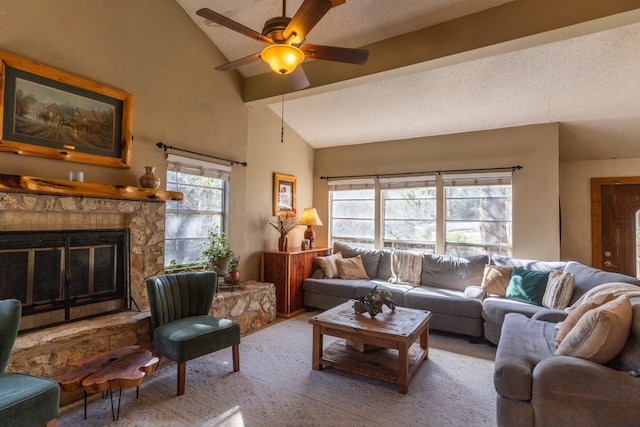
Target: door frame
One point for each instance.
(596, 212)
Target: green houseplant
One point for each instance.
(218, 251)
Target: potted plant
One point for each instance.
(218, 251)
(234, 274)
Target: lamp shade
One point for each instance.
(310, 217)
(282, 58)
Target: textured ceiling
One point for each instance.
(590, 84)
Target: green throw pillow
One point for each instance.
(527, 286)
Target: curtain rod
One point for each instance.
(166, 147)
(439, 172)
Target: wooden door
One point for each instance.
(615, 203)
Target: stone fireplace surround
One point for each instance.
(49, 352)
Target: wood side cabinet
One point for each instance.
(286, 270)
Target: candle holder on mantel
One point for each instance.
(150, 179)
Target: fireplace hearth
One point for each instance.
(65, 275)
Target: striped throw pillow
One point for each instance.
(559, 290)
(328, 265)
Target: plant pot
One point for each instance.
(221, 266)
(234, 276)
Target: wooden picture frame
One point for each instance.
(57, 115)
(284, 194)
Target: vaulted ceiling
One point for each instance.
(447, 66)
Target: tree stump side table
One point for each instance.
(124, 367)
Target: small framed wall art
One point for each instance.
(284, 194)
(57, 115)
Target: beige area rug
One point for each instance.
(277, 387)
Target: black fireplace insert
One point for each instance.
(67, 275)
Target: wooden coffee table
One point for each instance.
(124, 367)
(402, 335)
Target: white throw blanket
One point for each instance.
(406, 267)
(615, 288)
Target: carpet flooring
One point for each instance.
(277, 387)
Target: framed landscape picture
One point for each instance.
(284, 194)
(53, 114)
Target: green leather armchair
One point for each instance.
(182, 327)
(25, 400)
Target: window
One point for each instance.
(352, 210)
(409, 213)
(462, 214)
(478, 214)
(205, 187)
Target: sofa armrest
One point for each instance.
(550, 315)
(573, 391)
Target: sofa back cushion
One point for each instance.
(453, 272)
(528, 264)
(370, 257)
(587, 277)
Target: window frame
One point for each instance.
(195, 167)
(440, 181)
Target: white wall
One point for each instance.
(536, 227)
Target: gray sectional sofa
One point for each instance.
(534, 385)
(449, 287)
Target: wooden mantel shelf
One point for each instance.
(34, 184)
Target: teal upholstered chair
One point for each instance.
(182, 326)
(25, 400)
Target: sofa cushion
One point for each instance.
(527, 286)
(528, 264)
(496, 279)
(588, 277)
(559, 290)
(351, 268)
(600, 333)
(523, 344)
(443, 301)
(335, 287)
(452, 272)
(384, 266)
(494, 309)
(328, 264)
(575, 315)
(370, 257)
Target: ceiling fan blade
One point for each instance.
(298, 79)
(333, 53)
(239, 62)
(232, 25)
(307, 16)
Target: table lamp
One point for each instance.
(310, 218)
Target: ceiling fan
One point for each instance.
(285, 40)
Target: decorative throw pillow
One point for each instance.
(559, 290)
(351, 268)
(574, 315)
(496, 279)
(527, 286)
(601, 333)
(328, 265)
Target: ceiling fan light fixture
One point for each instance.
(282, 58)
